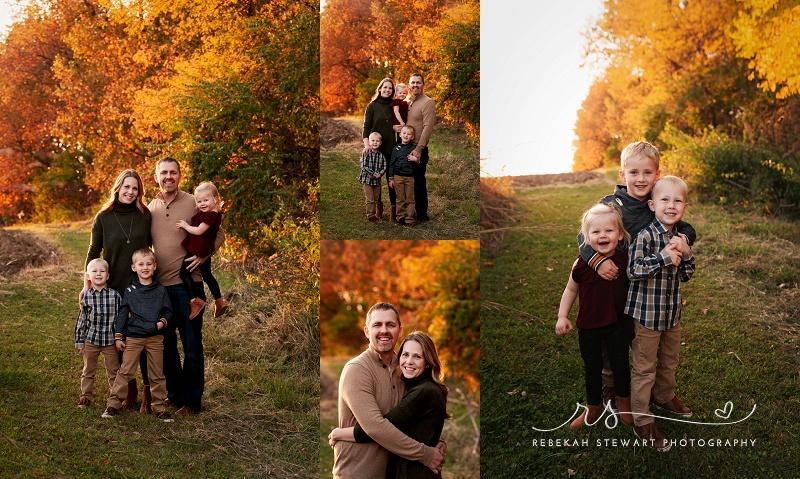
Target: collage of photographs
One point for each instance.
(400, 239)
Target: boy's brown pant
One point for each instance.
(373, 196)
(406, 209)
(91, 354)
(154, 347)
(654, 359)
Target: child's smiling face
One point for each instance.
(374, 142)
(205, 201)
(144, 266)
(406, 135)
(604, 233)
(98, 274)
(400, 92)
(640, 174)
(668, 202)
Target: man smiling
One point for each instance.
(422, 116)
(368, 388)
(185, 382)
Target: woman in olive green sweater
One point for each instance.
(378, 117)
(420, 414)
(121, 227)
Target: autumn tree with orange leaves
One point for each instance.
(363, 41)
(714, 84)
(433, 283)
(230, 89)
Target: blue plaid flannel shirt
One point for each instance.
(372, 163)
(96, 320)
(654, 295)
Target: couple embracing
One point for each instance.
(392, 406)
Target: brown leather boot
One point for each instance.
(220, 306)
(130, 399)
(624, 405)
(146, 407)
(379, 213)
(589, 416)
(394, 214)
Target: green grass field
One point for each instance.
(740, 344)
(453, 192)
(458, 432)
(261, 404)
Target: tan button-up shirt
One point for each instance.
(422, 116)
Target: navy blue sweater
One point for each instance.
(141, 309)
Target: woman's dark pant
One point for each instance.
(591, 343)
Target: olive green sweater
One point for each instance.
(117, 233)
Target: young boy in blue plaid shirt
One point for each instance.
(373, 166)
(660, 259)
(94, 330)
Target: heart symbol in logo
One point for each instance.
(726, 412)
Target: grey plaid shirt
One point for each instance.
(372, 163)
(654, 295)
(96, 320)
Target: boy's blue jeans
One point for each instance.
(185, 382)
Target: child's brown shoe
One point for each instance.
(654, 438)
(589, 416)
(624, 413)
(676, 406)
(220, 306)
(110, 412)
(195, 306)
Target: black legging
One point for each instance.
(591, 344)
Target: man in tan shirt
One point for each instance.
(185, 382)
(422, 116)
(369, 387)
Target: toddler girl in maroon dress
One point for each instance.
(200, 242)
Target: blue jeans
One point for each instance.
(421, 186)
(185, 382)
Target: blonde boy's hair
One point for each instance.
(639, 148)
(413, 130)
(100, 261)
(674, 181)
(375, 133)
(143, 252)
(601, 209)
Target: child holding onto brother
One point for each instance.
(658, 260)
(401, 176)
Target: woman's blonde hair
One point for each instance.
(112, 197)
(207, 186)
(601, 209)
(429, 355)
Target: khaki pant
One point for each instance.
(91, 354)
(654, 359)
(154, 348)
(404, 188)
(373, 197)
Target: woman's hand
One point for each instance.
(334, 436)
(86, 285)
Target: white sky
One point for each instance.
(532, 84)
(7, 10)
